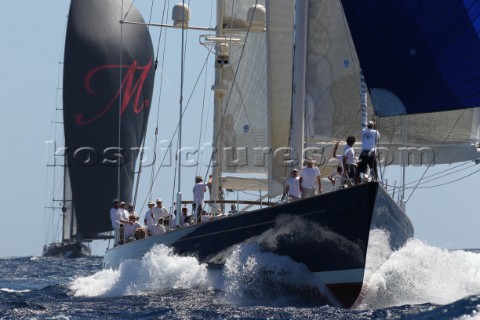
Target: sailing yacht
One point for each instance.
(287, 82)
(70, 244)
(95, 138)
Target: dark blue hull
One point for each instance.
(328, 233)
(66, 250)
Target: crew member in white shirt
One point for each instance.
(118, 219)
(309, 177)
(370, 137)
(350, 161)
(131, 210)
(159, 228)
(149, 219)
(131, 227)
(199, 190)
(292, 189)
(160, 211)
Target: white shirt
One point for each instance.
(294, 186)
(338, 179)
(199, 190)
(189, 217)
(158, 229)
(160, 213)
(129, 229)
(349, 155)
(150, 221)
(369, 139)
(309, 177)
(116, 215)
(134, 213)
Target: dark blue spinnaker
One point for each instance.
(418, 56)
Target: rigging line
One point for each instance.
(446, 174)
(145, 126)
(444, 141)
(128, 10)
(205, 121)
(166, 7)
(183, 53)
(53, 125)
(176, 130)
(438, 173)
(142, 151)
(389, 145)
(177, 127)
(446, 183)
(120, 100)
(201, 117)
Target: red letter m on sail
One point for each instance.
(129, 88)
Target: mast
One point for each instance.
(219, 95)
(299, 62)
(185, 14)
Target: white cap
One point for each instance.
(159, 200)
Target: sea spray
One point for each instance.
(415, 274)
(158, 270)
(252, 275)
(419, 273)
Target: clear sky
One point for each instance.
(32, 35)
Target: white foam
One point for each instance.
(419, 273)
(416, 274)
(13, 291)
(159, 270)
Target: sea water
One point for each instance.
(416, 282)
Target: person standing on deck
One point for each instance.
(149, 219)
(370, 137)
(160, 211)
(292, 189)
(349, 161)
(309, 176)
(117, 215)
(123, 207)
(337, 179)
(199, 190)
(118, 218)
(131, 210)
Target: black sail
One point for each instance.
(107, 90)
